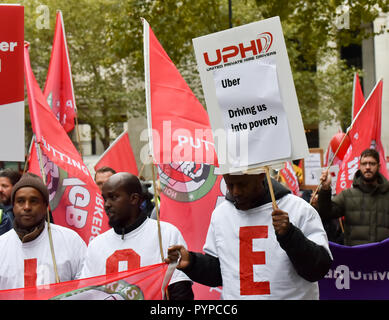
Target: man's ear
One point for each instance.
(135, 198)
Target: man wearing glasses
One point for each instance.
(365, 206)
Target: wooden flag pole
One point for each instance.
(57, 280)
(157, 211)
(273, 198)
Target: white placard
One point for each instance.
(258, 114)
(220, 53)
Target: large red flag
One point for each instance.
(182, 145)
(190, 192)
(147, 283)
(75, 199)
(364, 133)
(58, 89)
(119, 156)
(179, 127)
(358, 98)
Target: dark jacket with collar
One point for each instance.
(365, 208)
(310, 260)
(6, 219)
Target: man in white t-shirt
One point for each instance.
(256, 251)
(25, 255)
(133, 240)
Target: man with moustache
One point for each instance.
(257, 251)
(25, 251)
(133, 240)
(365, 206)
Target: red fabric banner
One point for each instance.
(190, 192)
(141, 284)
(365, 133)
(183, 147)
(75, 199)
(119, 156)
(181, 127)
(58, 89)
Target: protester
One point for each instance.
(102, 175)
(25, 252)
(257, 252)
(133, 240)
(365, 206)
(8, 178)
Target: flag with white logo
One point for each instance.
(58, 89)
(365, 133)
(75, 199)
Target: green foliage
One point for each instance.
(105, 40)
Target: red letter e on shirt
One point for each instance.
(248, 258)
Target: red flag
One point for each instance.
(288, 174)
(358, 98)
(59, 85)
(365, 133)
(179, 127)
(75, 199)
(119, 156)
(147, 283)
(190, 192)
(182, 143)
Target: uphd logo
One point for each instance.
(257, 46)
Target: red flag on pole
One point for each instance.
(181, 143)
(75, 199)
(365, 133)
(358, 98)
(147, 283)
(179, 127)
(119, 156)
(58, 90)
(190, 193)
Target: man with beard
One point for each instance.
(365, 206)
(8, 178)
(259, 251)
(25, 251)
(133, 240)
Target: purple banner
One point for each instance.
(358, 272)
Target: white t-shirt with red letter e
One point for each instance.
(253, 265)
(109, 252)
(31, 263)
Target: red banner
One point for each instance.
(365, 133)
(180, 125)
(11, 54)
(190, 193)
(119, 156)
(12, 122)
(59, 85)
(145, 283)
(75, 199)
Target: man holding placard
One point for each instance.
(263, 242)
(257, 252)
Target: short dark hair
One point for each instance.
(371, 153)
(105, 169)
(13, 175)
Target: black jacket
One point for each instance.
(310, 260)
